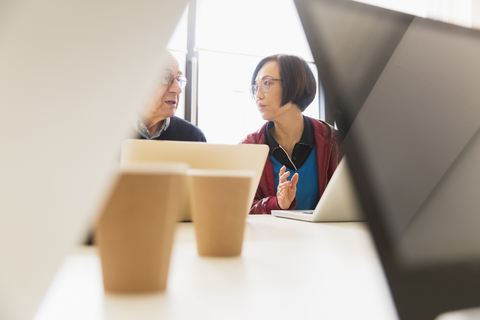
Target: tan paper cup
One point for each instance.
(135, 230)
(220, 202)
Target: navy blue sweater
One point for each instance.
(181, 130)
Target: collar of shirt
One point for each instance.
(301, 151)
(143, 131)
(308, 137)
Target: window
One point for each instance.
(227, 113)
(231, 37)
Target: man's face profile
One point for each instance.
(167, 96)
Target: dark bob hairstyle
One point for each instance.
(298, 85)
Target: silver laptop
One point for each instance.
(199, 155)
(339, 202)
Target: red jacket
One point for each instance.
(328, 157)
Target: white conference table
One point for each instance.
(288, 270)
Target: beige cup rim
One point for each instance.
(154, 167)
(220, 173)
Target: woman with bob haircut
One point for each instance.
(307, 149)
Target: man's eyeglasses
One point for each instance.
(263, 85)
(168, 78)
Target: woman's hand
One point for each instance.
(286, 189)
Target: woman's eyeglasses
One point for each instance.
(263, 85)
(168, 78)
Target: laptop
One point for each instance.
(198, 155)
(404, 92)
(74, 74)
(338, 203)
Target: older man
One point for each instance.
(158, 121)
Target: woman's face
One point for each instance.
(268, 103)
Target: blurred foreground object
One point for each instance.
(404, 91)
(135, 230)
(71, 76)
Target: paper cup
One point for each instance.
(135, 231)
(220, 203)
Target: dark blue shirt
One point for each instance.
(178, 130)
